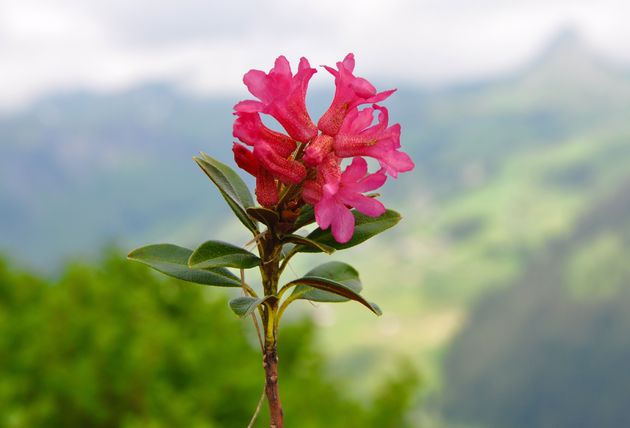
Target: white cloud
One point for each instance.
(103, 45)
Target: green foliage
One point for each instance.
(340, 272)
(264, 215)
(231, 186)
(246, 305)
(116, 346)
(365, 228)
(306, 217)
(302, 242)
(213, 254)
(334, 287)
(173, 261)
(396, 394)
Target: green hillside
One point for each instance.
(560, 357)
(506, 169)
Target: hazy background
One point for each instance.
(505, 288)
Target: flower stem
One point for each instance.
(270, 363)
(270, 248)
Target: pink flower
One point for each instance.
(250, 129)
(266, 189)
(318, 149)
(287, 170)
(350, 92)
(245, 159)
(282, 95)
(333, 195)
(272, 150)
(357, 138)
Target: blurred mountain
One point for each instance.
(505, 168)
(79, 170)
(560, 357)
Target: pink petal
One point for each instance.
(348, 62)
(249, 106)
(282, 66)
(245, 159)
(380, 96)
(325, 211)
(318, 149)
(343, 224)
(355, 171)
(369, 206)
(286, 170)
(331, 70)
(304, 65)
(371, 182)
(257, 84)
(357, 120)
(249, 129)
(363, 88)
(394, 162)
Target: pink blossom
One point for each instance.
(249, 128)
(282, 95)
(272, 150)
(333, 195)
(287, 170)
(350, 92)
(318, 149)
(245, 159)
(357, 138)
(266, 189)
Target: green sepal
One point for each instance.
(172, 260)
(212, 254)
(264, 215)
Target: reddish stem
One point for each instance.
(270, 363)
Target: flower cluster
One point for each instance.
(309, 158)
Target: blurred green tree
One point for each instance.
(116, 346)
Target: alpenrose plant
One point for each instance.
(313, 173)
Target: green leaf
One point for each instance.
(335, 288)
(173, 261)
(231, 182)
(340, 272)
(365, 227)
(212, 254)
(302, 241)
(264, 215)
(232, 188)
(306, 217)
(245, 305)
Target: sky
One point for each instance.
(205, 46)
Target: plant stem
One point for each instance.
(270, 248)
(270, 363)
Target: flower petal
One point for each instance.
(245, 159)
(343, 224)
(369, 206)
(325, 211)
(249, 106)
(355, 171)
